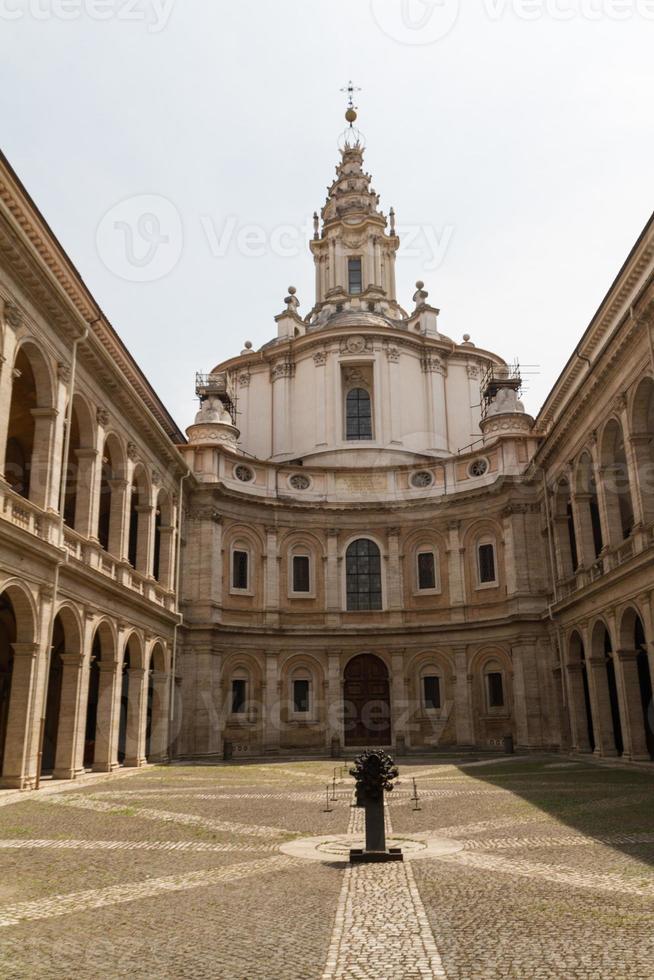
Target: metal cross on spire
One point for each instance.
(351, 113)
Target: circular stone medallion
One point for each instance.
(336, 847)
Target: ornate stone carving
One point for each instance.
(13, 315)
(243, 473)
(619, 404)
(132, 451)
(422, 479)
(156, 478)
(244, 379)
(355, 377)
(299, 481)
(432, 364)
(356, 344)
(102, 417)
(393, 355)
(320, 358)
(64, 372)
(473, 371)
(282, 369)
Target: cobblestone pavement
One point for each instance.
(176, 872)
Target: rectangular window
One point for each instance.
(240, 570)
(238, 697)
(486, 563)
(426, 570)
(301, 573)
(354, 274)
(495, 690)
(432, 691)
(301, 697)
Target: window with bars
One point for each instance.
(426, 570)
(301, 697)
(486, 557)
(495, 684)
(354, 276)
(363, 576)
(301, 573)
(239, 690)
(431, 686)
(358, 414)
(240, 562)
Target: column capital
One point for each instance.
(627, 656)
(72, 659)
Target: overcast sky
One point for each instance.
(179, 147)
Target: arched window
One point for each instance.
(431, 688)
(240, 567)
(426, 569)
(358, 414)
(300, 573)
(239, 693)
(486, 563)
(494, 688)
(301, 694)
(363, 576)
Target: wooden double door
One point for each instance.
(367, 707)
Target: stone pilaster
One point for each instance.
(271, 706)
(72, 717)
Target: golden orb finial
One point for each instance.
(351, 115)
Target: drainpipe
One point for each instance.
(62, 561)
(178, 565)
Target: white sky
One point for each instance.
(520, 142)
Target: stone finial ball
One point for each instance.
(351, 115)
(292, 290)
(466, 338)
(420, 284)
(248, 345)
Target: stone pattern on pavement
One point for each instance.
(176, 872)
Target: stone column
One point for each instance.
(332, 579)
(137, 704)
(118, 518)
(526, 694)
(271, 579)
(394, 392)
(399, 703)
(334, 705)
(159, 718)
(394, 574)
(631, 706)
(608, 536)
(632, 464)
(86, 465)
(584, 528)
(108, 717)
(463, 698)
(7, 357)
(437, 431)
(71, 717)
(601, 707)
(455, 554)
(320, 361)
(144, 538)
(272, 715)
(42, 464)
(15, 772)
(281, 377)
(577, 708)
(208, 708)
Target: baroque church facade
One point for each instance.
(364, 539)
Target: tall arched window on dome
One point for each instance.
(358, 414)
(363, 576)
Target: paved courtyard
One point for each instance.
(184, 872)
